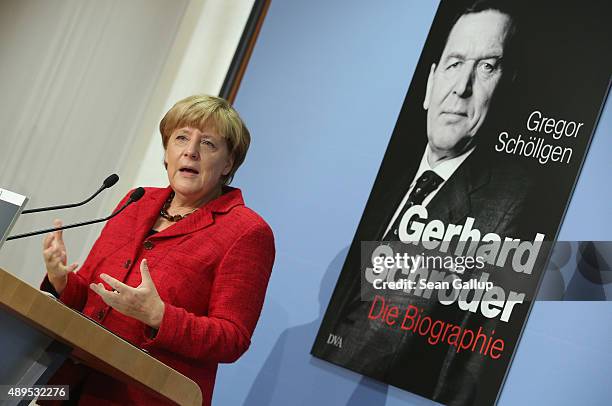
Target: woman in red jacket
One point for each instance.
(183, 272)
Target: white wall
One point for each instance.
(84, 85)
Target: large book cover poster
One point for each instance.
(451, 247)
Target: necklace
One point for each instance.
(164, 211)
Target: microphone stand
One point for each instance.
(108, 182)
(136, 195)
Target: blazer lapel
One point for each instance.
(201, 218)
(385, 204)
(452, 203)
(147, 212)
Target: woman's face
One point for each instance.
(196, 162)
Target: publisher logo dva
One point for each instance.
(334, 340)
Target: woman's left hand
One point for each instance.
(142, 303)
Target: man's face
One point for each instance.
(460, 88)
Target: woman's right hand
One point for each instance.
(54, 254)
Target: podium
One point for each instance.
(39, 333)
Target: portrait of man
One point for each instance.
(461, 87)
(454, 177)
(485, 68)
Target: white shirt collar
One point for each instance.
(445, 168)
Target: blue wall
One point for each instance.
(321, 96)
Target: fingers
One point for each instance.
(55, 255)
(56, 261)
(58, 234)
(49, 245)
(47, 241)
(114, 283)
(141, 303)
(52, 256)
(54, 249)
(107, 296)
(145, 274)
(47, 253)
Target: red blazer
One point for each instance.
(211, 269)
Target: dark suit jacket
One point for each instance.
(493, 193)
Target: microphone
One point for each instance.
(134, 197)
(108, 182)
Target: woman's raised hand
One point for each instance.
(54, 254)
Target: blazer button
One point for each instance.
(127, 264)
(148, 245)
(101, 314)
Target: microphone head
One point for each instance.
(110, 181)
(137, 194)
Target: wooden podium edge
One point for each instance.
(94, 345)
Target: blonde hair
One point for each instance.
(209, 112)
